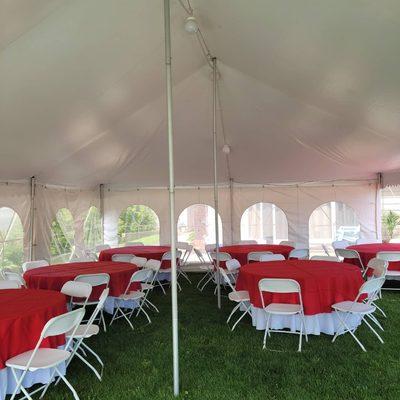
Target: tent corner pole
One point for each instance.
(101, 203)
(32, 220)
(216, 205)
(174, 292)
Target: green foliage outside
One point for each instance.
(92, 228)
(11, 239)
(137, 223)
(390, 221)
(62, 236)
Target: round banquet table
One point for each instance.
(23, 314)
(368, 251)
(322, 283)
(54, 276)
(149, 252)
(240, 251)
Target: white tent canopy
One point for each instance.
(308, 91)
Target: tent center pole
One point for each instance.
(32, 220)
(174, 293)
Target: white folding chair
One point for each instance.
(134, 244)
(367, 241)
(26, 266)
(233, 267)
(325, 258)
(138, 296)
(206, 267)
(223, 258)
(300, 254)
(140, 262)
(86, 331)
(79, 290)
(287, 243)
(247, 242)
(167, 256)
(43, 358)
(155, 266)
(9, 285)
(350, 255)
(379, 270)
(272, 257)
(241, 297)
(94, 280)
(256, 255)
(209, 248)
(390, 256)
(186, 250)
(272, 285)
(325, 248)
(340, 244)
(370, 288)
(122, 258)
(14, 276)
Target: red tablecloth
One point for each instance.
(322, 283)
(149, 252)
(23, 314)
(54, 276)
(240, 251)
(368, 251)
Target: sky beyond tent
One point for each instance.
(307, 91)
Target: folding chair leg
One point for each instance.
(241, 317)
(232, 312)
(103, 320)
(373, 330)
(266, 332)
(147, 301)
(347, 329)
(183, 273)
(301, 337)
(76, 397)
(19, 385)
(207, 282)
(376, 322)
(83, 359)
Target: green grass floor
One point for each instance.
(216, 363)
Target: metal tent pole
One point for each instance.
(101, 198)
(174, 293)
(214, 64)
(32, 221)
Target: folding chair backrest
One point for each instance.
(26, 266)
(134, 244)
(14, 276)
(10, 285)
(232, 265)
(340, 244)
(226, 278)
(301, 254)
(63, 323)
(325, 248)
(154, 265)
(122, 257)
(94, 279)
(325, 258)
(99, 306)
(142, 275)
(272, 257)
(222, 256)
(390, 256)
(256, 255)
(182, 245)
(77, 289)
(378, 266)
(367, 241)
(288, 243)
(168, 255)
(371, 287)
(139, 261)
(210, 247)
(247, 242)
(274, 285)
(347, 253)
(102, 247)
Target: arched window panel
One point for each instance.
(62, 236)
(332, 221)
(196, 225)
(92, 228)
(264, 222)
(138, 223)
(11, 239)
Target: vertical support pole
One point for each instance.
(214, 63)
(32, 220)
(101, 201)
(231, 206)
(174, 293)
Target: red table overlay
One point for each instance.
(240, 251)
(23, 314)
(322, 283)
(369, 251)
(54, 276)
(149, 252)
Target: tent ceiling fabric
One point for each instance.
(308, 91)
